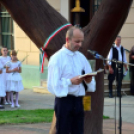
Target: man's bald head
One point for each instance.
(70, 32)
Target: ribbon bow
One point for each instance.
(44, 54)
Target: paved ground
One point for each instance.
(30, 100)
(127, 108)
(43, 128)
(109, 127)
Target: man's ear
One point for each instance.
(67, 40)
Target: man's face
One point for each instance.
(76, 41)
(4, 51)
(118, 41)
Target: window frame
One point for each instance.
(91, 6)
(10, 31)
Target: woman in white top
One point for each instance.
(2, 86)
(14, 80)
(4, 59)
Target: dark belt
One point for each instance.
(73, 96)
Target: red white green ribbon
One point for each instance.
(44, 55)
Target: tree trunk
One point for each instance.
(38, 20)
(100, 34)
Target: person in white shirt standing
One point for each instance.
(4, 59)
(64, 69)
(116, 52)
(2, 87)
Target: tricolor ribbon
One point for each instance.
(44, 54)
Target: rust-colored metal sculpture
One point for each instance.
(38, 20)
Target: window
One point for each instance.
(84, 16)
(90, 6)
(6, 29)
(96, 5)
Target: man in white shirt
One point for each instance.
(116, 52)
(64, 69)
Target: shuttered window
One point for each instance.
(6, 29)
(96, 5)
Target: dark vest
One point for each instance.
(115, 56)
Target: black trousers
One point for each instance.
(111, 87)
(69, 115)
(132, 86)
(111, 78)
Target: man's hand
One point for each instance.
(132, 56)
(111, 71)
(126, 67)
(88, 79)
(76, 80)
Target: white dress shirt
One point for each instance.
(110, 55)
(63, 66)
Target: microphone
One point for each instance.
(92, 52)
(95, 54)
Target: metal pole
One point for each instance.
(119, 89)
(77, 18)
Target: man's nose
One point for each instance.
(80, 44)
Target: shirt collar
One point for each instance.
(69, 52)
(117, 46)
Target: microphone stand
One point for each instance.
(118, 89)
(119, 77)
(118, 85)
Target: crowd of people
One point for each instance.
(63, 79)
(10, 79)
(68, 88)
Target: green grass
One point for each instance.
(105, 117)
(28, 116)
